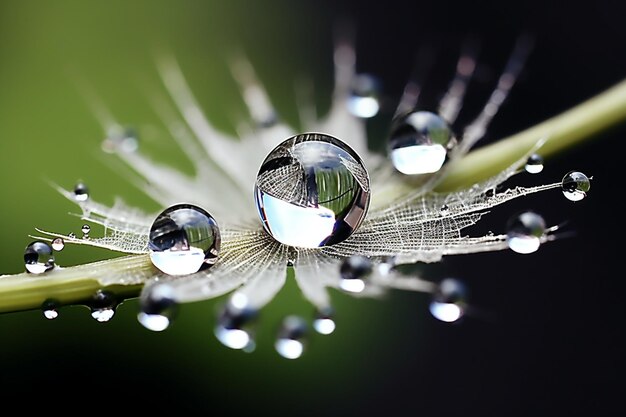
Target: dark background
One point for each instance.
(549, 338)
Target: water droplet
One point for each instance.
(363, 100)
(103, 305)
(444, 209)
(525, 232)
(386, 265)
(72, 235)
(311, 191)
(419, 143)
(234, 324)
(291, 337)
(575, 185)
(58, 244)
(157, 308)
(324, 322)
(183, 239)
(121, 139)
(49, 308)
(85, 229)
(449, 301)
(534, 164)
(81, 192)
(354, 270)
(38, 257)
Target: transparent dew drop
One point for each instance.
(534, 164)
(311, 191)
(103, 305)
(525, 232)
(72, 235)
(354, 270)
(49, 308)
(183, 239)
(324, 321)
(38, 257)
(291, 339)
(575, 185)
(58, 244)
(157, 308)
(419, 143)
(85, 229)
(121, 139)
(449, 301)
(364, 96)
(234, 324)
(81, 192)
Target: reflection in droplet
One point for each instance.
(38, 257)
(58, 244)
(291, 337)
(449, 301)
(81, 192)
(525, 232)
(534, 164)
(183, 239)
(354, 270)
(324, 321)
(419, 143)
(157, 308)
(311, 191)
(103, 305)
(49, 308)
(85, 229)
(575, 185)
(363, 100)
(234, 324)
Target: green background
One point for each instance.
(551, 338)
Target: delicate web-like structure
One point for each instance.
(407, 221)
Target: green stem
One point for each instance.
(74, 285)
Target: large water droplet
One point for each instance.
(354, 270)
(311, 191)
(58, 244)
(290, 343)
(575, 185)
(363, 99)
(157, 308)
(525, 232)
(49, 308)
(183, 239)
(324, 321)
(419, 143)
(234, 324)
(103, 305)
(534, 164)
(38, 257)
(81, 192)
(449, 301)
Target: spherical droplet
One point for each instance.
(449, 301)
(85, 229)
(525, 232)
(58, 244)
(311, 191)
(183, 239)
(234, 324)
(290, 342)
(534, 164)
(81, 192)
(38, 257)
(419, 143)
(157, 307)
(103, 305)
(354, 270)
(49, 308)
(363, 99)
(575, 185)
(324, 322)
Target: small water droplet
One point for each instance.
(575, 185)
(311, 191)
(121, 139)
(49, 308)
(72, 235)
(290, 343)
(103, 305)
(183, 239)
(58, 244)
(419, 143)
(534, 164)
(525, 232)
(81, 192)
(157, 307)
(324, 321)
(38, 257)
(354, 270)
(449, 301)
(234, 324)
(444, 209)
(85, 229)
(363, 100)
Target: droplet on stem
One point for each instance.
(157, 308)
(525, 232)
(449, 300)
(364, 98)
(290, 342)
(324, 321)
(103, 305)
(575, 185)
(38, 257)
(234, 324)
(81, 192)
(534, 164)
(354, 270)
(58, 244)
